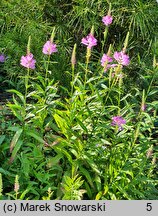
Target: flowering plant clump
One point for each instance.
(121, 58)
(2, 58)
(118, 121)
(89, 41)
(49, 48)
(67, 121)
(107, 20)
(28, 61)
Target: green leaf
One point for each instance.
(13, 128)
(36, 136)
(19, 94)
(15, 139)
(99, 195)
(98, 182)
(82, 125)
(54, 160)
(87, 175)
(53, 126)
(24, 193)
(74, 152)
(112, 196)
(5, 172)
(106, 189)
(25, 165)
(92, 79)
(2, 139)
(62, 150)
(15, 150)
(92, 164)
(152, 92)
(104, 86)
(16, 110)
(89, 190)
(62, 123)
(124, 193)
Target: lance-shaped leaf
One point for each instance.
(15, 139)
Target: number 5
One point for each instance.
(149, 207)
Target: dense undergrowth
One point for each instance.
(82, 123)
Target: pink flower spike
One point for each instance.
(2, 58)
(89, 41)
(107, 20)
(143, 107)
(118, 121)
(28, 61)
(121, 58)
(49, 48)
(105, 59)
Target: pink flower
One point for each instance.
(105, 59)
(107, 20)
(89, 41)
(110, 66)
(49, 48)
(28, 61)
(113, 65)
(16, 187)
(118, 121)
(121, 58)
(2, 58)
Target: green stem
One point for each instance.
(87, 62)
(136, 134)
(119, 97)
(73, 78)
(16, 195)
(26, 85)
(105, 36)
(114, 82)
(47, 66)
(150, 85)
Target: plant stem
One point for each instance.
(47, 66)
(73, 78)
(119, 97)
(26, 85)
(105, 36)
(87, 62)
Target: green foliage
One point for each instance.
(70, 188)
